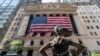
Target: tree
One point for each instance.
(16, 46)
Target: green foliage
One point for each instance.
(95, 54)
(16, 46)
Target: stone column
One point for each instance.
(27, 43)
(79, 25)
(23, 26)
(24, 53)
(47, 15)
(36, 42)
(38, 35)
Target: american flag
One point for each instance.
(46, 24)
(48, 35)
(30, 34)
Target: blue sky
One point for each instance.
(46, 1)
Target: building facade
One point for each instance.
(33, 1)
(8, 9)
(64, 1)
(97, 2)
(82, 19)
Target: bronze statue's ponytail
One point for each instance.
(60, 30)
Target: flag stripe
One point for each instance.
(51, 27)
(46, 30)
(49, 24)
(59, 17)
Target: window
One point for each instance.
(86, 17)
(34, 34)
(98, 42)
(17, 23)
(15, 29)
(12, 29)
(94, 17)
(42, 34)
(91, 33)
(14, 23)
(95, 33)
(83, 17)
(91, 27)
(22, 15)
(94, 21)
(51, 15)
(44, 15)
(80, 42)
(91, 17)
(16, 19)
(20, 19)
(88, 21)
(57, 15)
(30, 53)
(38, 15)
(97, 27)
(64, 14)
(32, 42)
(41, 42)
(88, 27)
